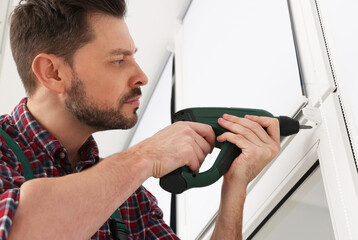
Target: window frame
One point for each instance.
(331, 142)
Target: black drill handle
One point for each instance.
(174, 182)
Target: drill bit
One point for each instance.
(305, 127)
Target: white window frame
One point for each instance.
(331, 141)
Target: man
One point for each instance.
(76, 61)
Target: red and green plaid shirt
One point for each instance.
(48, 158)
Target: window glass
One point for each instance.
(304, 215)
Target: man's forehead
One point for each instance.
(113, 34)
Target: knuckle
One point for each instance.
(207, 148)
(226, 135)
(183, 128)
(239, 137)
(186, 130)
(208, 130)
(277, 149)
(177, 123)
(190, 141)
(207, 127)
(180, 124)
(275, 121)
(274, 150)
(186, 150)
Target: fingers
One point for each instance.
(192, 154)
(252, 127)
(236, 139)
(200, 140)
(258, 146)
(243, 127)
(204, 131)
(271, 124)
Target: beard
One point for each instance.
(105, 118)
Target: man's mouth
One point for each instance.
(134, 101)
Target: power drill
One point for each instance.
(183, 178)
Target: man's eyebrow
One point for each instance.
(122, 51)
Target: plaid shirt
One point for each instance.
(48, 158)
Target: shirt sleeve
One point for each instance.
(144, 218)
(10, 182)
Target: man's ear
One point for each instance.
(46, 68)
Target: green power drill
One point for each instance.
(183, 178)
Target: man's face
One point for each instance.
(106, 80)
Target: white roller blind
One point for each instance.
(240, 53)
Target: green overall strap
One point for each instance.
(118, 226)
(28, 173)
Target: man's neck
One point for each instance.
(56, 119)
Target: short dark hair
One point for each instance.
(58, 27)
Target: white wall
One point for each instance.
(4, 7)
(11, 89)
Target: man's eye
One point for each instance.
(117, 62)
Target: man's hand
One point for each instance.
(258, 147)
(182, 143)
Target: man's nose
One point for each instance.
(139, 78)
